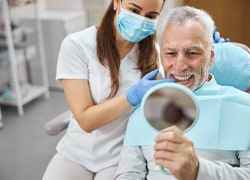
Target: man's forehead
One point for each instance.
(189, 25)
(186, 34)
(193, 47)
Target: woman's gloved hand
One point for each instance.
(217, 38)
(135, 93)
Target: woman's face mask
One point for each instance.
(134, 27)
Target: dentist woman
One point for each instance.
(101, 70)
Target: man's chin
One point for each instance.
(189, 84)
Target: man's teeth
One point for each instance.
(182, 78)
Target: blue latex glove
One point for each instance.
(135, 93)
(217, 38)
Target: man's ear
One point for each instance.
(211, 56)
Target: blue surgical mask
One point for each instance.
(134, 27)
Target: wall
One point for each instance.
(95, 8)
(231, 17)
(65, 4)
(22, 11)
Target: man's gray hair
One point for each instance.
(183, 13)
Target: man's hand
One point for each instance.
(175, 152)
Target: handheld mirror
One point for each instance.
(170, 104)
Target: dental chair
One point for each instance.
(60, 122)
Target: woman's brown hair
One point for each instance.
(108, 55)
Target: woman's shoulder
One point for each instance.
(84, 37)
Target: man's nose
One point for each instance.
(180, 63)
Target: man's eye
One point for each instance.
(169, 53)
(192, 53)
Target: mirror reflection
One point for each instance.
(170, 106)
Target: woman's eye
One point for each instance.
(134, 11)
(151, 17)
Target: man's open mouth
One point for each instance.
(181, 78)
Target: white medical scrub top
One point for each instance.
(78, 60)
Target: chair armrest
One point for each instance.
(58, 124)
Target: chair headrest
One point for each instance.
(231, 66)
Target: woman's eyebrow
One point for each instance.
(154, 12)
(136, 6)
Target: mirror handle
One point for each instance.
(165, 171)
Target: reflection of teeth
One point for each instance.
(182, 78)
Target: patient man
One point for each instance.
(186, 54)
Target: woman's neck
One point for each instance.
(124, 48)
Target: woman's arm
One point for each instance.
(88, 115)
